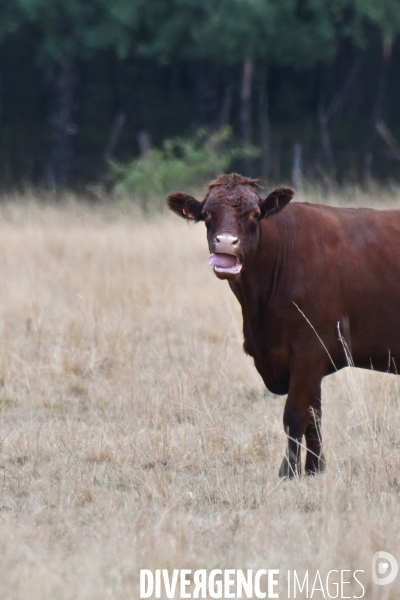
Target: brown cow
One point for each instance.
(307, 277)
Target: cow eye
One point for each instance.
(205, 214)
(256, 214)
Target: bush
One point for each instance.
(179, 163)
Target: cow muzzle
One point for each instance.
(225, 258)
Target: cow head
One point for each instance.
(232, 211)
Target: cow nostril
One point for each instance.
(225, 242)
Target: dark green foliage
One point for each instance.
(172, 65)
(179, 164)
(285, 32)
(72, 30)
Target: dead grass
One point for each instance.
(134, 432)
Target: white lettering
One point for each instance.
(228, 583)
(305, 583)
(200, 580)
(317, 589)
(170, 587)
(343, 582)
(257, 591)
(158, 584)
(272, 583)
(146, 576)
(243, 584)
(184, 583)
(359, 583)
(221, 584)
(215, 587)
(334, 584)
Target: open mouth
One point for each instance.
(225, 263)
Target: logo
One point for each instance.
(384, 568)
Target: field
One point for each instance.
(135, 433)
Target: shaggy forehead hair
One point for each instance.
(233, 190)
(232, 180)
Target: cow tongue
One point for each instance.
(224, 261)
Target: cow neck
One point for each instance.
(259, 280)
(256, 286)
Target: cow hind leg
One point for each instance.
(315, 460)
(294, 425)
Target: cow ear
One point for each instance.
(185, 206)
(275, 201)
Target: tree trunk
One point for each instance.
(376, 113)
(297, 170)
(265, 128)
(63, 127)
(334, 108)
(245, 109)
(144, 141)
(116, 130)
(226, 107)
(328, 159)
(206, 93)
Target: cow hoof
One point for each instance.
(284, 468)
(287, 470)
(315, 465)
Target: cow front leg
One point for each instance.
(303, 394)
(294, 424)
(315, 460)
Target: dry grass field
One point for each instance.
(135, 433)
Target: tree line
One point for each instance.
(313, 83)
